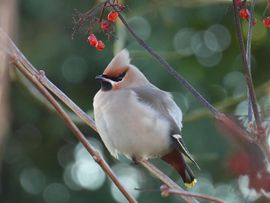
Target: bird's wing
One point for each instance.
(163, 102)
(184, 149)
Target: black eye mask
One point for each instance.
(116, 79)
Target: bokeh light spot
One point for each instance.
(210, 41)
(141, 25)
(248, 193)
(130, 178)
(84, 172)
(56, 193)
(222, 36)
(69, 180)
(80, 153)
(74, 69)
(88, 174)
(182, 41)
(211, 60)
(227, 193)
(32, 180)
(235, 82)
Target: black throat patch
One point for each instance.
(106, 86)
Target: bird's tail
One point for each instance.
(176, 160)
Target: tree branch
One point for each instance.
(164, 178)
(94, 153)
(68, 102)
(248, 55)
(260, 134)
(247, 74)
(165, 191)
(35, 76)
(169, 68)
(8, 12)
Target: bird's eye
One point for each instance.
(120, 77)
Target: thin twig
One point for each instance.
(248, 54)
(84, 17)
(12, 50)
(167, 66)
(223, 105)
(235, 129)
(164, 178)
(266, 8)
(246, 69)
(165, 191)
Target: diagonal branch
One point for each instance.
(165, 64)
(170, 69)
(165, 191)
(68, 102)
(94, 153)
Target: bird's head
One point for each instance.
(121, 74)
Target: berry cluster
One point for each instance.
(245, 14)
(266, 22)
(94, 42)
(105, 25)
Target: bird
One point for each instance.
(138, 120)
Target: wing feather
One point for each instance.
(163, 102)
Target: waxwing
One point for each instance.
(137, 119)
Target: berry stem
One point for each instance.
(102, 11)
(266, 8)
(248, 55)
(247, 74)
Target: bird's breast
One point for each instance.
(129, 126)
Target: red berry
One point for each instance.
(105, 25)
(244, 13)
(112, 16)
(92, 40)
(239, 3)
(100, 45)
(266, 22)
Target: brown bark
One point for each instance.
(7, 18)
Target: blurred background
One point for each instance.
(42, 161)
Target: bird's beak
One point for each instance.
(99, 77)
(102, 78)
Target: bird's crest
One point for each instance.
(122, 73)
(120, 60)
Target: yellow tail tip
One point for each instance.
(192, 184)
